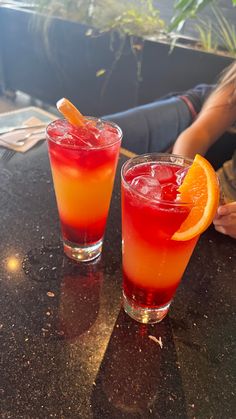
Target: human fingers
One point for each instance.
(226, 225)
(226, 220)
(228, 230)
(226, 209)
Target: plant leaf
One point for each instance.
(186, 9)
(100, 72)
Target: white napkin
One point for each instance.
(10, 139)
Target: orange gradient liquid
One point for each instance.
(83, 181)
(153, 264)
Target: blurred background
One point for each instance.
(108, 55)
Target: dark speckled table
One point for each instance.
(68, 349)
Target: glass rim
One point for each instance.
(149, 157)
(81, 147)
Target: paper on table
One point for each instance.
(9, 140)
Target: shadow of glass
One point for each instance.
(79, 297)
(138, 376)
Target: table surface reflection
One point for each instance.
(69, 350)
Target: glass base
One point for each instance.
(145, 315)
(82, 253)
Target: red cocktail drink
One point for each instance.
(83, 162)
(153, 263)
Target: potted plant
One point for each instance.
(105, 56)
(94, 61)
(192, 60)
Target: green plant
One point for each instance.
(206, 36)
(188, 9)
(217, 34)
(136, 17)
(133, 18)
(225, 31)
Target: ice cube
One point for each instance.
(107, 137)
(83, 139)
(99, 124)
(112, 129)
(147, 186)
(180, 175)
(169, 192)
(94, 128)
(161, 172)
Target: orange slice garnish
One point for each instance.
(201, 188)
(70, 112)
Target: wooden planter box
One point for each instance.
(69, 64)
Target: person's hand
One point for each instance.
(225, 219)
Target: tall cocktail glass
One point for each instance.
(153, 263)
(83, 163)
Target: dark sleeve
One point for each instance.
(193, 98)
(198, 95)
(153, 127)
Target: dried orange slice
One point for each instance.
(70, 112)
(201, 187)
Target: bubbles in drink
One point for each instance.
(148, 186)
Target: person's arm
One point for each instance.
(216, 116)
